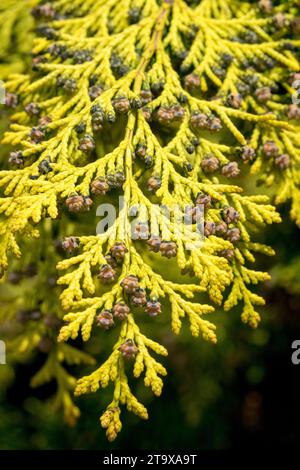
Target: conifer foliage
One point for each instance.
(163, 102)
